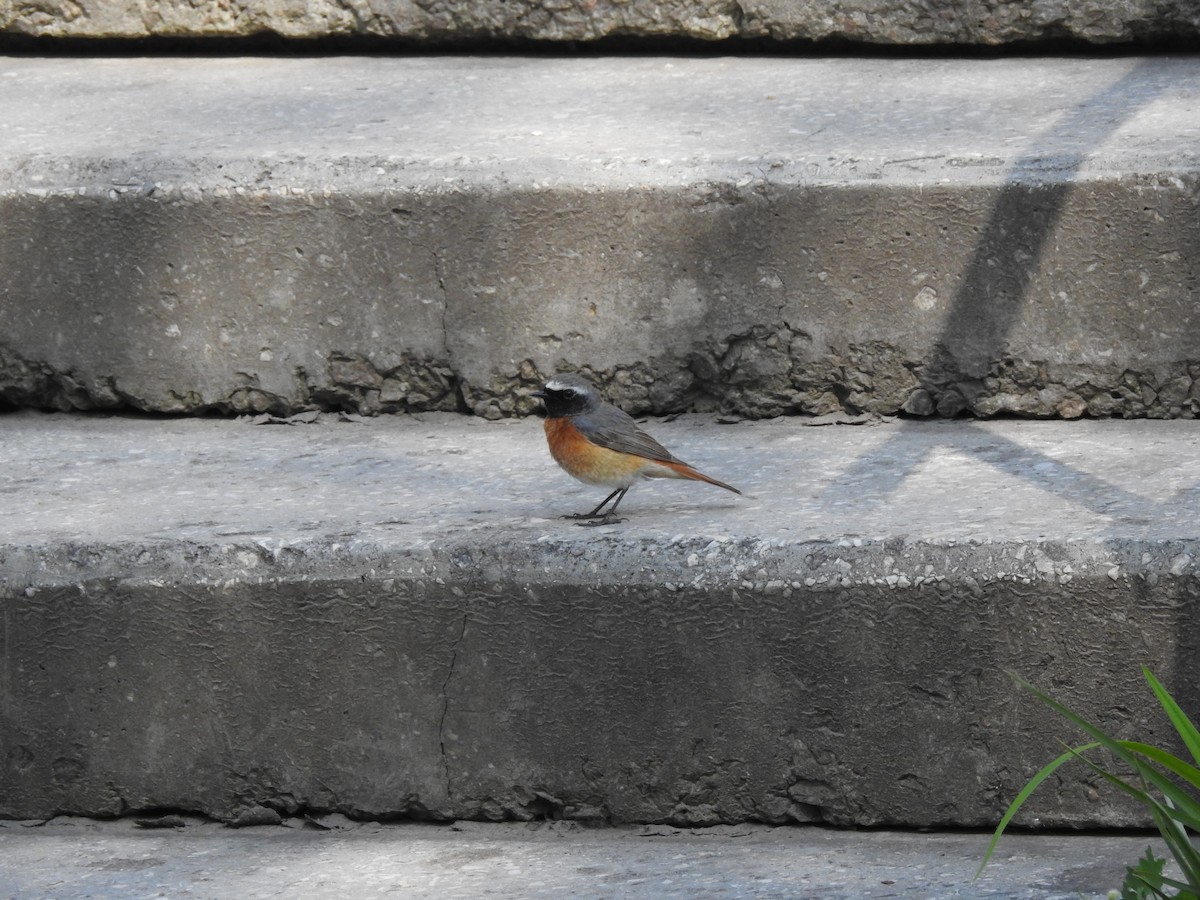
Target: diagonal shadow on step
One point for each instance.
(1096, 494)
(984, 310)
(900, 456)
(995, 287)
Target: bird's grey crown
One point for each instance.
(568, 384)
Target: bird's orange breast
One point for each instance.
(589, 462)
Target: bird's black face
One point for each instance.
(566, 395)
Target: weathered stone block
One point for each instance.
(387, 618)
(907, 22)
(791, 236)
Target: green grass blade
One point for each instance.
(1187, 731)
(1172, 832)
(1169, 826)
(1178, 809)
(1101, 737)
(1030, 786)
(1117, 781)
(1117, 748)
(1185, 808)
(1184, 891)
(1176, 838)
(1180, 846)
(1182, 768)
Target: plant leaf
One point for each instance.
(1147, 875)
(1030, 786)
(1177, 810)
(1187, 731)
(1165, 819)
(1182, 768)
(1184, 808)
(1190, 811)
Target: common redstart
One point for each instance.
(602, 445)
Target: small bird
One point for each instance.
(599, 444)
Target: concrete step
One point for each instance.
(387, 617)
(372, 24)
(759, 235)
(331, 856)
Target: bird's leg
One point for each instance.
(610, 517)
(595, 517)
(595, 513)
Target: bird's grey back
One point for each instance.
(615, 429)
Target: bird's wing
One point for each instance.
(615, 429)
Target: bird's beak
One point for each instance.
(541, 395)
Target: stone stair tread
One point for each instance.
(408, 481)
(373, 123)
(762, 235)
(71, 858)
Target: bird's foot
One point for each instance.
(605, 519)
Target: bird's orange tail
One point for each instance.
(683, 470)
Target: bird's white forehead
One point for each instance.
(555, 385)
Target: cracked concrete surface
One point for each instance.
(446, 694)
(757, 236)
(386, 617)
